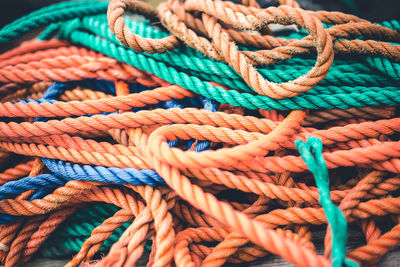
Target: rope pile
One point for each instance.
(198, 133)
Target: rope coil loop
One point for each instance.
(185, 140)
(115, 13)
(283, 15)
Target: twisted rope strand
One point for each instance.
(185, 134)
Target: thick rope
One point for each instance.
(176, 133)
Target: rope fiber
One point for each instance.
(197, 134)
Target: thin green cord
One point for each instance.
(311, 153)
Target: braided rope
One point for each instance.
(187, 136)
(124, 34)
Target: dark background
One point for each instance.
(374, 10)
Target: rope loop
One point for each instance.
(115, 13)
(192, 148)
(242, 63)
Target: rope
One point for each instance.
(183, 133)
(78, 228)
(232, 97)
(311, 153)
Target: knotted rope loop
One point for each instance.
(192, 156)
(117, 25)
(285, 15)
(227, 158)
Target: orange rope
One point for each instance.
(249, 195)
(66, 64)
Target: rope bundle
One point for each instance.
(195, 137)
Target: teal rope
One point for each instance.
(54, 13)
(350, 83)
(68, 245)
(392, 24)
(385, 67)
(345, 72)
(69, 237)
(174, 76)
(311, 153)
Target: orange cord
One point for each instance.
(193, 220)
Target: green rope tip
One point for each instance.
(311, 153)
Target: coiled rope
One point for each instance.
(178, 133)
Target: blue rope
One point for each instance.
(62, 172)
(102, 174)
(16, 187)
(65, 171)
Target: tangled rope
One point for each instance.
(188, 136)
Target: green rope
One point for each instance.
(68, 238)
(51, 14)
(94, 33)
(356, 82)
(356, 73)
(311, 153)
(235, 98)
